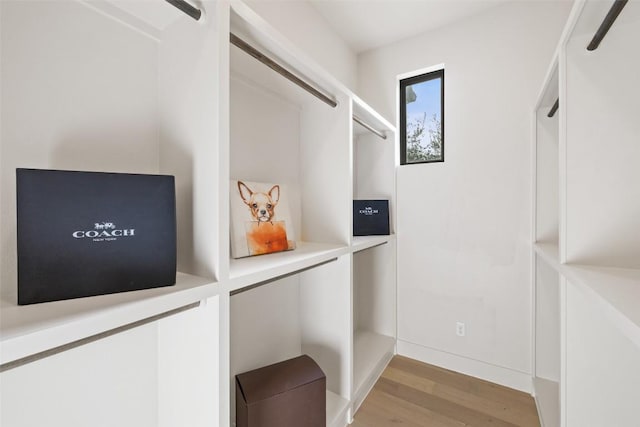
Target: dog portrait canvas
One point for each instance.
(260, 219)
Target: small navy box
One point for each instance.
(370, 217)
(89, 233)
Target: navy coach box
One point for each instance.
(370, 217)
(89, 233)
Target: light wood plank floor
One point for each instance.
(413, 394)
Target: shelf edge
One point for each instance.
(53, 333)
(282, 269)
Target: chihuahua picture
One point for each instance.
(261, 205)
(262, 229)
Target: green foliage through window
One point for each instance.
(422, 118)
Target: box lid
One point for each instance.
(269, 381)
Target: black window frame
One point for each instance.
(421, 78)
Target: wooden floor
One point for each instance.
(415, 394)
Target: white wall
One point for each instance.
(304, 26)
(464, 225)
(79, 92)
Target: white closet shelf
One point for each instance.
(337, 407)
(31, 329)
(616, 290)
(363, 111)
(372, 352)
(360, 243)
(248, 271)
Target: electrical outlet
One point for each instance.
(460, 329)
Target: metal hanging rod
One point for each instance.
(552, 111)
(237, 41)
(608, 21)
(193, 12)
(369, 127)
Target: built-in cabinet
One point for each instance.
(128, 86)
(586, 257)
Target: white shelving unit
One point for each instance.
(305, 313)
(547, 341)
(337, 408)
(281, 134)
(374, 260)
(123, 86)
(372, 353)
(546, 378)
(587, 253)
(374, 316)
(546, 162)
(547, 401)
(113, 87)
(306, 300)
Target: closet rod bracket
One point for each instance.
(185, 7)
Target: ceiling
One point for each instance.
(369, 24)
(362, 24)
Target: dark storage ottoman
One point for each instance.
(287, 394)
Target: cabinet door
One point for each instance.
(188, 379)
(109, 382)
(602, 366)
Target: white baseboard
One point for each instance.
(486, 371)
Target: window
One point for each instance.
(422, 118)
